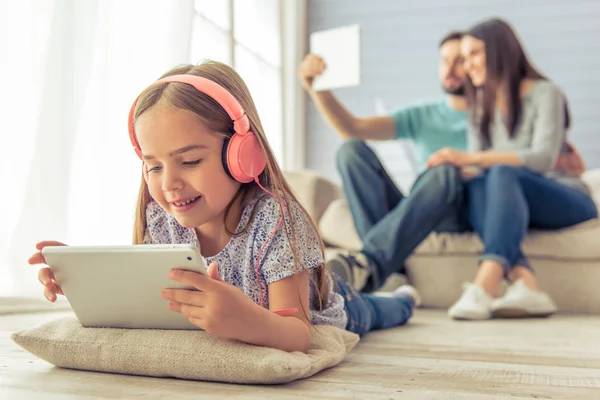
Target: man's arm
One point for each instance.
(336, 115)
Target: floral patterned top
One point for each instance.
(237, 261)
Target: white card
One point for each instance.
(340, 50)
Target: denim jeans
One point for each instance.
(506, 201)
(390, 224)
(367, 312)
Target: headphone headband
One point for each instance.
(241, 123)
(243, 157)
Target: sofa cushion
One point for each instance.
(571, 284)
(579, 242)
(592, 179)
(337, 229)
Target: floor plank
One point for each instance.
(431, 358)
(20, 305)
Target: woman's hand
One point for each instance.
(45, 275)
(449, 155)
(570, 162)
(217, 307)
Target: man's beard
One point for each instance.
(457, 91)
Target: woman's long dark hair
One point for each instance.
(506, 66)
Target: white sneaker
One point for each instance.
(352, 267)
(522, 302)
(474, 304)
(403, 291)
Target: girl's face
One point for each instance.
(473, 52)
(185, 172)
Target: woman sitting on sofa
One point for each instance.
(518, 127)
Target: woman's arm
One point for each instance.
(489, 158)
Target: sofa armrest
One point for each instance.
(592, 179)
(313, 191)
(337, 227)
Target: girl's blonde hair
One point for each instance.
(182, 96)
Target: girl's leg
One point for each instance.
(367, 312)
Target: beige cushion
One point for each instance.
(314, 192)
(337, 229)
(572, 284)
(592, 179)
(193, 355)
(337, 226)
(579, 242)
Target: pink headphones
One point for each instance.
(243, 158)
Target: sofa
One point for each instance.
(567, 261)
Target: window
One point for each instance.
(246, 35)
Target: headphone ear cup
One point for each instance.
(246, 160)
(224, 152)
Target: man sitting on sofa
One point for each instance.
(390, 224)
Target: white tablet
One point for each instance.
(121, 286)
(340, 50)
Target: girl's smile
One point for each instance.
(184, 204)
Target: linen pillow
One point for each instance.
(194, 355)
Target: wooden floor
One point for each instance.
(431, 358)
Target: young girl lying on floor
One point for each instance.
(210, 178)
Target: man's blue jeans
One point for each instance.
(390, 224)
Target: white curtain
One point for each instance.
(246, 34)
(70, 70)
